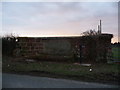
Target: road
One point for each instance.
(25, 81)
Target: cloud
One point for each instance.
(50, 18)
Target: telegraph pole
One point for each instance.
(100, 27)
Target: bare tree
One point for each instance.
(90, 33)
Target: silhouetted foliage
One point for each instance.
(97, 44)
(90, 33)
(117, 44)
(8, 44)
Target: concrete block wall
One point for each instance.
(48, 48)
(30, 46)
(64, 47)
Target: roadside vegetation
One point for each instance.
(9, 43)
(116, 52)
(105, 73)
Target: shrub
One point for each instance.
(9, 43)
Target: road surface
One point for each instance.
(25, 81)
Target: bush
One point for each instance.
(8, 45)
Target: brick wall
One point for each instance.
(30, 46)
(93, 47)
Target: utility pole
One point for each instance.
(100, 27)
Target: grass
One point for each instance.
(116, 51)
(100, 72)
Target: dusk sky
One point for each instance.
(39, 19)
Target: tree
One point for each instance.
(90, 33)
(9, 43)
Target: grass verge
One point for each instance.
(103, 73)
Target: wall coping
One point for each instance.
(71, 37)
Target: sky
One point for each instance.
(46, 19)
